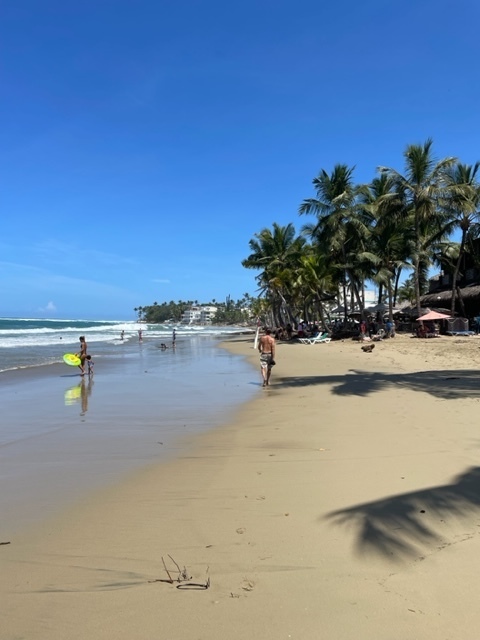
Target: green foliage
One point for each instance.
(369, 232)
(228, 312)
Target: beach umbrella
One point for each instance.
(379, 307)
(434, 315)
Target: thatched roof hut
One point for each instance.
(470, 296)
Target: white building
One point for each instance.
(191, 316)
(198, 315)
(207, 314)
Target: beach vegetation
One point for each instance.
(370, 233)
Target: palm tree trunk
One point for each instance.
(456, 272)
(416, 279)
(390, 300)
(397, 282)
(380, 293)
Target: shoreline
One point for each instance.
(340, 502)
(63, 435)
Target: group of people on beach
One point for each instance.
(85, 358)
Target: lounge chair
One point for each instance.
(324, 337)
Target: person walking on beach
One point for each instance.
(140, 337)
(174, 337)
(82, 354)
(266, 346)
(122, 334)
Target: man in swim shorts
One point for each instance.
(266, 346)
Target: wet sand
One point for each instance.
(343, 502)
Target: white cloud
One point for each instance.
(49, 307)
(161, 280)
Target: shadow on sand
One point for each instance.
(395, 526)
(447, 384)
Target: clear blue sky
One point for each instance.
(144, 143)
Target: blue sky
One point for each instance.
(144, 143)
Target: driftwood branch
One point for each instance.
(183, 578)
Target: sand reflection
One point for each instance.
(79, 394)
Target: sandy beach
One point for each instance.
(343, 502)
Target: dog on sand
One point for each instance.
(368, 348)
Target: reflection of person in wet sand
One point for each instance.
(85, 393)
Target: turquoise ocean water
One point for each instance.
(62, 435)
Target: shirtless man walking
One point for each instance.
(266, 346)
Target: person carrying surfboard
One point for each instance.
(82, 355)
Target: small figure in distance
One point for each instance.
(122, 334)
(174, 337)
(82, 355)
(90, 365)
(140, 335)
(163, 346)
(266, 346)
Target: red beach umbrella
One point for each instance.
(434, 315)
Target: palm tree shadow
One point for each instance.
(395, 527)
(446, 384)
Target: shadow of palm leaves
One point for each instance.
(446, 384)
(394, 526)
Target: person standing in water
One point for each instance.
(266, 346)
(82, 354)
(174, 337)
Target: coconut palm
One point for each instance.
(276, 252)
(463, 204)
(316, 283)
(337, 232)
(388, 245)
(423, 184)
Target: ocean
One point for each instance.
(30, 342)
(62, 435)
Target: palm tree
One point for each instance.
(423, 184)
(316, 283)
(276, 253)
(462, 203)
(338, 232)
(388, 242)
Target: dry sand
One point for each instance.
(342, 503)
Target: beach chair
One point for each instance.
(324, 337)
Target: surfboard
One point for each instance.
(71, 359)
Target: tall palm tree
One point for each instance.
(382, 208)
(463, 204)
(337, 232)
(423, 184)
(316, 283)
(276, 253)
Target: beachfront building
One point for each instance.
(198, 315)
(191, 316)
(369, 298)
(207, 314)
